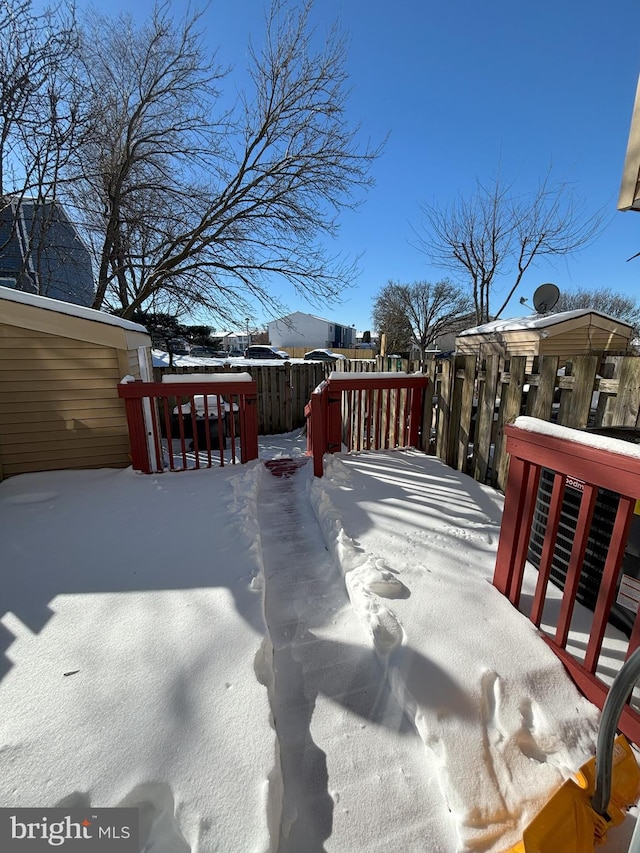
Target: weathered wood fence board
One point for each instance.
(579, 404)
(509, 409)
(284, 389)
(591, 391)
(627, 403)
(485, 421)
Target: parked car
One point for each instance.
(261, 351)
(204, 352)
(236, 353)
(323, 355)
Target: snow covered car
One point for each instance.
(323, 355)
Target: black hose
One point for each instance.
(620, 690)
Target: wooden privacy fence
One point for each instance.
(563, 452)
(176, 425)
(464, 416)
(472, 403)
(364, 412)
(283, 389)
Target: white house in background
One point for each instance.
(233, 340)
(305, 330)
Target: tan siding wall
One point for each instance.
(579, 340)
(583, 341)
(470, 345)
(133, 366)
(59, 405)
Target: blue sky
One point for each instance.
(461, 88)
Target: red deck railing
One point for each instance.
(569, 454)
(364, 412)
(202, 418)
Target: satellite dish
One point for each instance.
(545, 298)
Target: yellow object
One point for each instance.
(568, 823)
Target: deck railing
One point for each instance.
(191, 422)
(592, 463)
(377, 411)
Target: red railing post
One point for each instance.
(248, 428)
(544, 569)
(578, 550)
(511, 527)
(137, 435)
(334, 419)
(415, 415)
(530, 486)
(318, 419)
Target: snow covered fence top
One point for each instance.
(222, 378)
(587, 439)
(373, 377)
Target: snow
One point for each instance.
(535, 321)
(587, 439)
(181, 378)
(49, 304)
(374, 376)
(291, 664)
(161, 359)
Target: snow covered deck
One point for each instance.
(255, 660)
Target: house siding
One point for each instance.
(583, 341)
(305, 330)
(574, 336)
(42, 252)
(59, 404)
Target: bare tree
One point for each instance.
(495, 234)
(189, 206)
(603, 299)
(391, 320)
(39, 121)
(35, 121)
(419, 313)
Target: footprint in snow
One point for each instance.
(386, 630)
(532, 740)
(382, 581)
(490, 702)
(388, 586)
